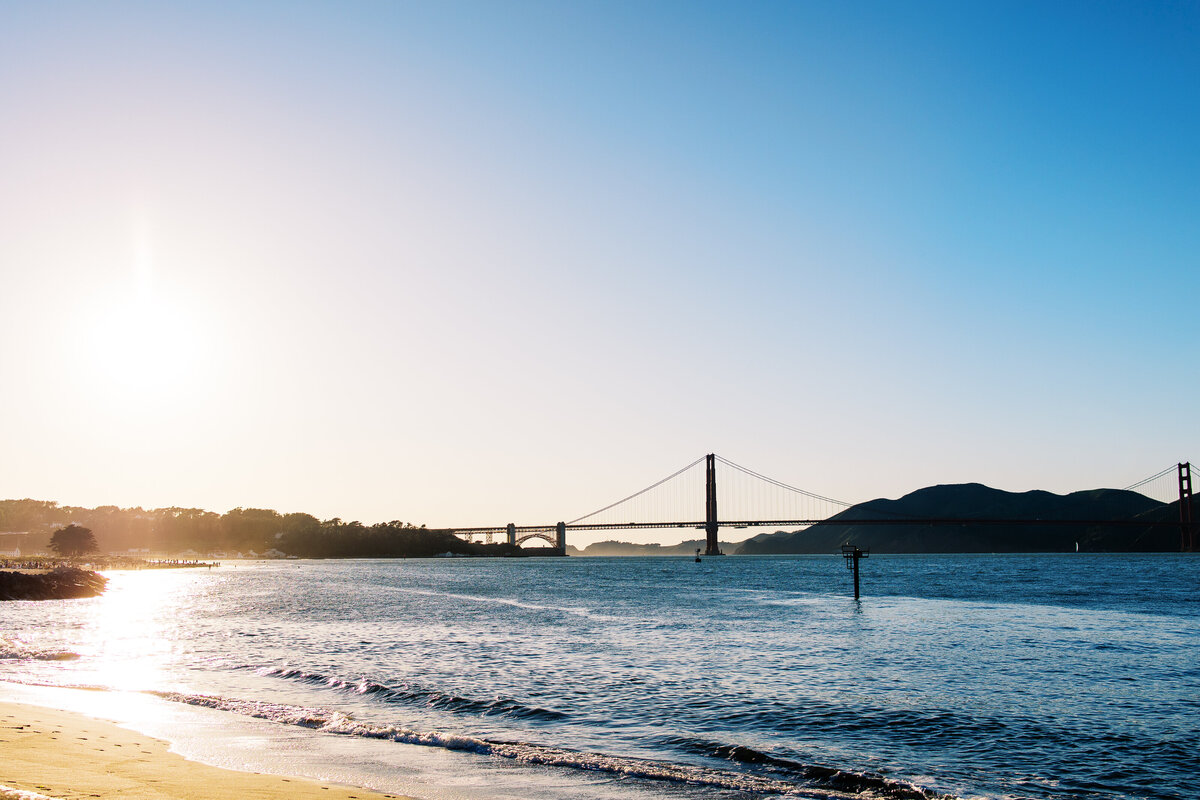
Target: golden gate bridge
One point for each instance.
(749, 499)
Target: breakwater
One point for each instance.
(61, 583)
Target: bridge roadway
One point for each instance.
(759, 523)
(556, 535)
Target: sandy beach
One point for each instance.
(59, 754)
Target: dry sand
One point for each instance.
(64, 755)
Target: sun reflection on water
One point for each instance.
(133, 630)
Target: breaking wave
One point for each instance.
(794, 779)
(17, 650)
(9, 793)
(429, 698)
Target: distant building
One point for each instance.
(9, 547)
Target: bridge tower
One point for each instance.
(560, 538)
(712, 547)
(1187, 535)
(512, 534)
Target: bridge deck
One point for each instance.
(784, 523)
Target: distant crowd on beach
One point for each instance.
(19, 563)
(168, 563)
(104, 562)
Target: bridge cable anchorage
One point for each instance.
(655, 485)
(781, 484)
(1155, 477)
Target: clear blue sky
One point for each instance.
(459, 263)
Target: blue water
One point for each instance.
(1049, 676)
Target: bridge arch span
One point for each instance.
(545, 536)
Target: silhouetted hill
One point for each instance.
(979, 507)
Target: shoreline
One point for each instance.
(68, 755)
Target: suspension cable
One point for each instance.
(637, 494)
(781, 484)
(1151, 478)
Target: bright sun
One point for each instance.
(143, 345)
(140, 344)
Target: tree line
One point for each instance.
(242, 530)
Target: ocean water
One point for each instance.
(980, 676)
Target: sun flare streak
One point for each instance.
(140, 343)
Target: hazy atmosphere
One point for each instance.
(599, 400)
(458, 263)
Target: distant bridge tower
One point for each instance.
(512, 534)
(712, 548)
(1187, 534)
(560, 538)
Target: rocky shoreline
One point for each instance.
(61, 583)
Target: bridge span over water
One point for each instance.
(759, 501)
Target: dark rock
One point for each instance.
(62, 583)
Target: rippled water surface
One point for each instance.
(967, 676)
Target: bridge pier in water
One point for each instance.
(712, 546)
(512, 534)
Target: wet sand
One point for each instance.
(69, 756)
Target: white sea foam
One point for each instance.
(16, 649)
(524, 753)
(504, 601)
(9, 793)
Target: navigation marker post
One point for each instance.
(852, 554)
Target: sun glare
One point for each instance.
(140, 343)
(129, 629)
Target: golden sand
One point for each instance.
(71, 756)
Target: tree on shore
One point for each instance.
(73, 541)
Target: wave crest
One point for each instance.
(430, 698)
(825, 783)
(15, 649)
